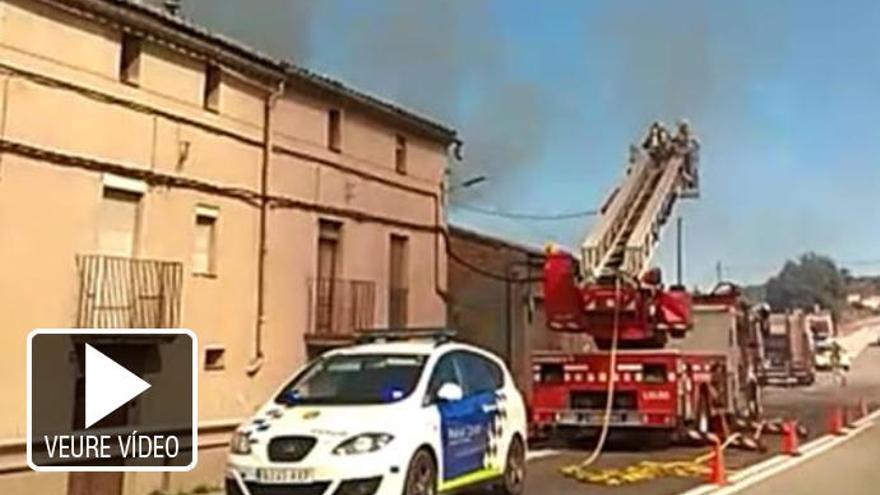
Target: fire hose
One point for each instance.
(612, 379)
(645, 470)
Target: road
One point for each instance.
(809, 404)
(850, 468)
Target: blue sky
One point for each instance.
(784, 95)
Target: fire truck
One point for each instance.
(788, 350)
(645, 370)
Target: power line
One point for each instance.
(482, 271)
(525, 216)
(489, 274)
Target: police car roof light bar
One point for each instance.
(439, 334)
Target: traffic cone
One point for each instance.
(790, 438)
(835, 423)
(717, 472)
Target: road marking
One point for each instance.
(777, 464)
(540, 454)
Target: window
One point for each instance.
(130, 59)
(398, 281)
(481, 375)
(203, 258)
(213, 78)
(400, 155)
(654, 373)
(445, 371)
(118, 222)
(355, 379)
(329, 237)
(334, 130)
(215, 358)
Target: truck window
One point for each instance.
(551, 373)
(654, 373)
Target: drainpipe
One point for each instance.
(441, 232)
(256, 362)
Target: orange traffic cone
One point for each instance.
(835, 421)
(717, 472)
(790, 438)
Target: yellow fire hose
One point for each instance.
(644, 470)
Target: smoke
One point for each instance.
(656, 62)
(445, 60)
(280, 27)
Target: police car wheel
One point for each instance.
(421, 475)
(515, 468)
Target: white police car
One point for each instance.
(402, 417)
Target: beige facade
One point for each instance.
(181, 173)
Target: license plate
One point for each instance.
(284, 475)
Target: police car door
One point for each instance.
(464, 424)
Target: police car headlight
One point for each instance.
(363, 443)
(240, 443)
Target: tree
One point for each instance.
(809, 281)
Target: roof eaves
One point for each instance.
(290, 70)
(434, 129)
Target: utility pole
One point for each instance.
(719, 271)
(678, 251)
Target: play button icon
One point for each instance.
(112, 399)
(108, 386)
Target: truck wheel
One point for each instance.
(421, 475)
(514, 478)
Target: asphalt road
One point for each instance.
(850, 468)
(810, 405)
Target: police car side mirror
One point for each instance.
(450, 392)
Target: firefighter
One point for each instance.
(682, 139)
(688, 147)
(657, 143)
(837, 363)
(652, 140)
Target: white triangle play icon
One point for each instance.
(108, 386)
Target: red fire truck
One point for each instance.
(655, 375)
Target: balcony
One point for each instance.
(118, 292)
(338, 308)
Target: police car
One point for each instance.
(404, 416)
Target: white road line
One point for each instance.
(777, 464)
(539, 454)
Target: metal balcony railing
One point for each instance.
(339, 308)
(118, 292)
